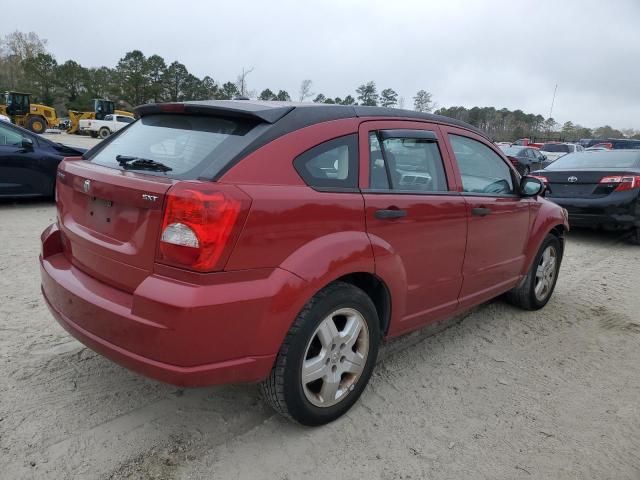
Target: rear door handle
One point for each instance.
(480, 211)
(390, 213)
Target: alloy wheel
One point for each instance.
(546, 273)
(335, 357)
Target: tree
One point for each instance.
(388, 97)
(241, 82)
(228, 91)
(15, 48)
(348, 100)
(550, 125)
(305, 90)
(71, 77)
(156, 71)
(422, 101)
(330, 101)
(209, 88)
(132, 76)
(41, 72)
(99, 82)
(175, 80)
(367, 94)
(320, 98)
(607, 132)
(267, 95)
(283, 96)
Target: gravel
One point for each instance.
(503, 394)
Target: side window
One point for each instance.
(124, 119)
(9, 136)
(108, 118)
(482, 170)
(402, 162)
(331, 164)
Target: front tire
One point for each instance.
(327, 357)
(537, 287)
(37, 125)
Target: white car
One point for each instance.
(554, 151)
(4, 118)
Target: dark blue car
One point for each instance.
(28, 162)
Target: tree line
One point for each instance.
(26, 65)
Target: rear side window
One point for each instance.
(188, 144)
(332, 164)
(124, 119)
(405, 163)
(482, 169)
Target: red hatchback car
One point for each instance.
(238, 241)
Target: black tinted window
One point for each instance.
(331, 164)
(482, 169)
(404, 163)
(188, 144)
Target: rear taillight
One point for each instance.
(623, 182)
(200, 225)
(541, 178)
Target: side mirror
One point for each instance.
(27, 144)
(531, 187)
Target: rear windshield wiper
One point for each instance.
(138, 163)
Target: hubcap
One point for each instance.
(546, 273)
(335, 357)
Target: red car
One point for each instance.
(237, 241)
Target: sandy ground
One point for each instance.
(83, 141)
(504, 394)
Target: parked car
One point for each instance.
(554, 150)
(103, 128)
(611, 143)
(236, 241)
(28, 162)
(524, 159)
(526, 142)
(600, 189)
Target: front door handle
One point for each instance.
(480, 211)
(390, 213)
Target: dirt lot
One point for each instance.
(504, 394)
(83, 141)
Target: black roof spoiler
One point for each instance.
(227, 108)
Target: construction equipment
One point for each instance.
(33, 116)
(101, 108)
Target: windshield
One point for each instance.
(188, 144)
(556, 147)
(596, 159)
(513, 151)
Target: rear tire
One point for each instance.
(327, 357)
(37, 125)
(536, 289)
(635, 236)
(104, 132)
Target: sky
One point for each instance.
(500, 53)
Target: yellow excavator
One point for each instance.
(33, 116)
(101, 108)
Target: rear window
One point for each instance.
(596, 159)
(188, 144)
(555, 148)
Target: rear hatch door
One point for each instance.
(111, 220)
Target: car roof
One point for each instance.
(305, 113)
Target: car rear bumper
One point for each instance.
(189, 335)
(619, 209)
